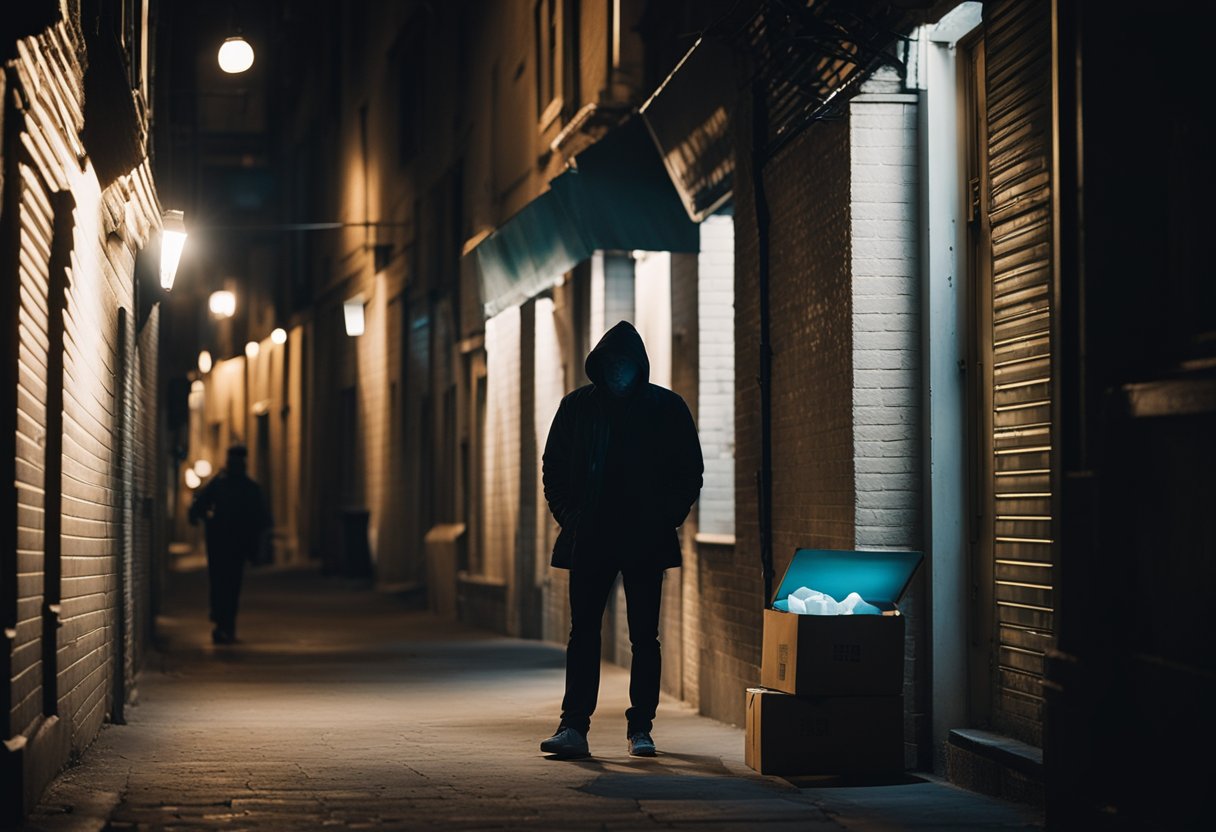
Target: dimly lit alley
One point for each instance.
(606, 414)
(345, 708)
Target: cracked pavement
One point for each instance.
(346, 708)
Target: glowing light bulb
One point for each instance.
(279, 336)
(192, 479)
(222, 304)
(202, 467)
(204, 362)
(252, 349)
(172, 240)
(235, 55)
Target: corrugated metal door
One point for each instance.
(1018, 190)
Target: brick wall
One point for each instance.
(886, 321)
(887, 385)
(549, 375)
(501, 498)
(71, 249)
(811, 325)
(681, 607)
(716, 380)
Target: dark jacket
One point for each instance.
(234, 510)
(621, 472)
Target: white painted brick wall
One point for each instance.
(886, 337)
(716, 381)
(501, 496)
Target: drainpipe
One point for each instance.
(764, 477)
(118, 690)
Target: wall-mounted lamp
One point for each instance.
(235, 55)
(192, 479)
(202, 467)
(222, 304)
(252, 349)
(352, 311)
(172, 240)
(279, 336)
(204, 362)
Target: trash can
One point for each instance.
(356, 553)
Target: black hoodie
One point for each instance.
(621, 472)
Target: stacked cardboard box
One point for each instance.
(831, 697)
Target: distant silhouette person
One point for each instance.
(233, 510)
(622, 467)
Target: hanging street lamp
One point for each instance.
(172, 240)
(235, 55)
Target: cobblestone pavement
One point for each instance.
(344, 708)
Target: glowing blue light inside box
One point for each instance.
(880, 578)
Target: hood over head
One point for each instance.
(619, 363)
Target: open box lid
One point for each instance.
(880, 578)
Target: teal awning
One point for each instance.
(616, 196)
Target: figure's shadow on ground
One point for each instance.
(668, 776)
(847, 781)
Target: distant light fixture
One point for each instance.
(204, 362)
(252, 349)
(222, 304)
(352, 311)
(197, 386)
(279, 336)
(202, 467)
(192, 479)
(172, 240)
(235, 55)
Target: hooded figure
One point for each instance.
(622, 467)
(233, 511)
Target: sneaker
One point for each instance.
(567, 742)
(641, 745)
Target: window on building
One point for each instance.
(550, 25)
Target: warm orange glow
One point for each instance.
(222, 304)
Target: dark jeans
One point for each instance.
(590, 584)
(225, 575)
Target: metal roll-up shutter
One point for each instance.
(1018, 81)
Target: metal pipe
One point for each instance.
(764, 477)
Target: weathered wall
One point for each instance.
(807, 187)
(80, 376)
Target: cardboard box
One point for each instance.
(823, 734)
(839, 655)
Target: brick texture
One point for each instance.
(716, 379)
(811, 324)
(681, 633)
(886, 324)
(501, 498)
(887, 387)
(81, 520)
